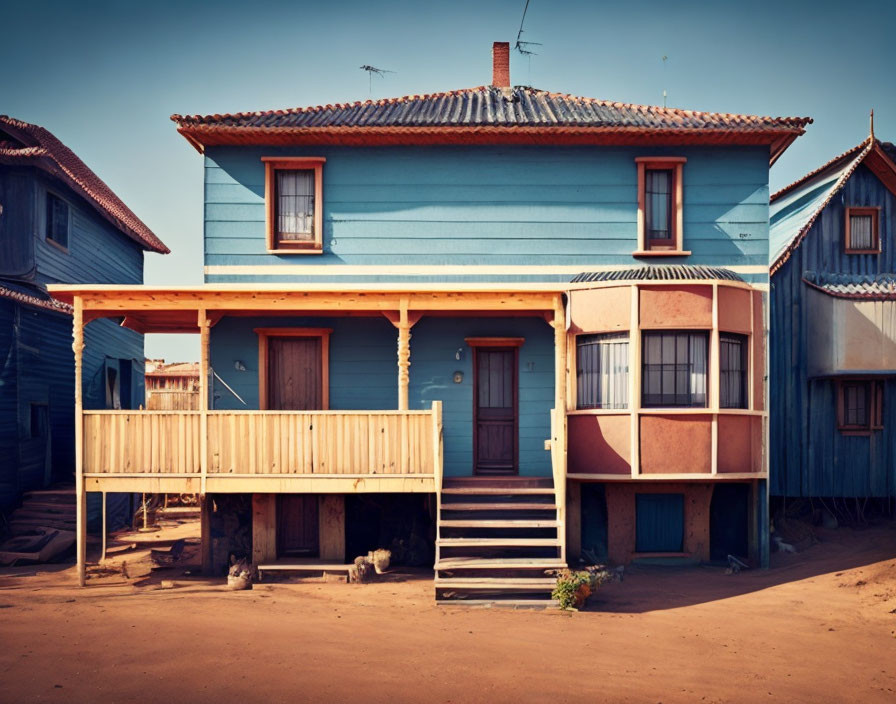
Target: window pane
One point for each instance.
(602, 371)
(658, 203)
(674, 369)
(860, 232)
(732, 371)
(57, 220)
(295, 204)
(856, 404)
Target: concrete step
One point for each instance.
(516, 584)
(496, 490)
(498, 603)
(498, 563)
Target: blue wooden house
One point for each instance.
(59, 223)
(833, 346)
(498, 327)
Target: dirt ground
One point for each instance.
(819, 626)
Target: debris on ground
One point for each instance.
(37, 545)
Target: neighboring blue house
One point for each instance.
(59, 223)
(833, 328)
(518, 325)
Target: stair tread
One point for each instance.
(543, 603)
(498, 507)
(491, 490)
(499, 523)
(499, 542)
(472, 563)
(495, 582)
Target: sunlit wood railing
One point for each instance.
(247, 443)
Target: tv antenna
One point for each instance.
(664, 79)
(523, 47)
(381, 72)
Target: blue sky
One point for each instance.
(105, 76)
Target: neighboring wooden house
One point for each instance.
(622, 412)
(172, 387)
(833, 328)
(59, 223)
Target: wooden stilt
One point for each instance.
(205, 529)
(80, 493)
(104, 529)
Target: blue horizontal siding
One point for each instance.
(363, 374)
(489, 206)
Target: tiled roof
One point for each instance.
(794, 209)
(490, 108)
(678, 272)
(877, 287)
(32, 296)
(36, 146)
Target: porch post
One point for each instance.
(80, 493)
(558, 441)
(404, 355)
(204, 508)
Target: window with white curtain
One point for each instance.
(674, 369)
(295, 204)
(862, 230)
(602, 371)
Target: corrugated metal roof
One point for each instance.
(490, 105)
(878, 287)
(37, 146)
(686, 272)
(32, 296)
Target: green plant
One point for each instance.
(573, 588)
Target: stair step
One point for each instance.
(508, 584)
(498, 542)
(498, 563)
(492, 506)
(535, 603)
(486, 523)
(496, 490)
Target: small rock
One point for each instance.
(168, 584)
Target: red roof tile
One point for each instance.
(37, 298)
(38, 147)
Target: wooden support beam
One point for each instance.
(80, 493)
(104, 529)
(331, 520)
(205, 534)
(404, 355)
(204, 329)
(264, 528)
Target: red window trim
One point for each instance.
(875, 406)
(675, 164)
(874, 212)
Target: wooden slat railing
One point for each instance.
(247, 443)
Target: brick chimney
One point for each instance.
(501, 64)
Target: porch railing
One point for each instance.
(247, 443)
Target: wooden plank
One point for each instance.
(331, 516)
(264, 527)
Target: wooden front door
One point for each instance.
(297, 525)
(295, 374)
(495, 414)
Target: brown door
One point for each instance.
(297, 526)
(294, 374)
(495, 411)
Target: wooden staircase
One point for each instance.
(497, 541)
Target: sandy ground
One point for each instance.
(819, 626)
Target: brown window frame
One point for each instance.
(874, 212)
(874, 394)
(271, 166)
(658, 248)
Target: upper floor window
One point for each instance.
(674, 369)
(660, 204)
(859, 405)
(732, 370)
(57, 220)
(294, 202)
(862, 230)
(602, 371)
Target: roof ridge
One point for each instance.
(817, 171)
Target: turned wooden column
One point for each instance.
(404, 356)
